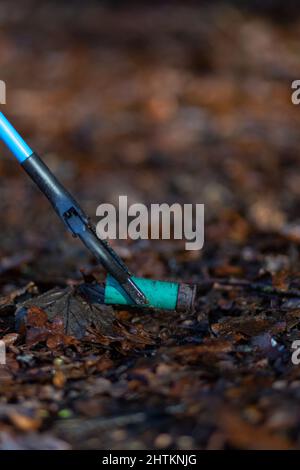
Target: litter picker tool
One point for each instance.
(69, 211)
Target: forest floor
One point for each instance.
(182, 104)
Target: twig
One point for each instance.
(220, 284)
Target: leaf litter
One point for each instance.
(82, 375)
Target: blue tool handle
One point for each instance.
(13, 140)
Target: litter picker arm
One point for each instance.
(69, 210)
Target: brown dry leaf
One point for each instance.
(59, 379)
(249, 326)
(8, 303)
(6, 375)
(36, 317)
(228, 270)
(10, 338)
(209, 349)
(39, 329)
(61, 316)
(242, 435)
(23, 422)
(280, 280)
(104, 363)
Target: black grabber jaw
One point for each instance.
(79, 225)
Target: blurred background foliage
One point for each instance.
(163, 102)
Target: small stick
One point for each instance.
(220, 284)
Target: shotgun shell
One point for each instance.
(160, 294)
